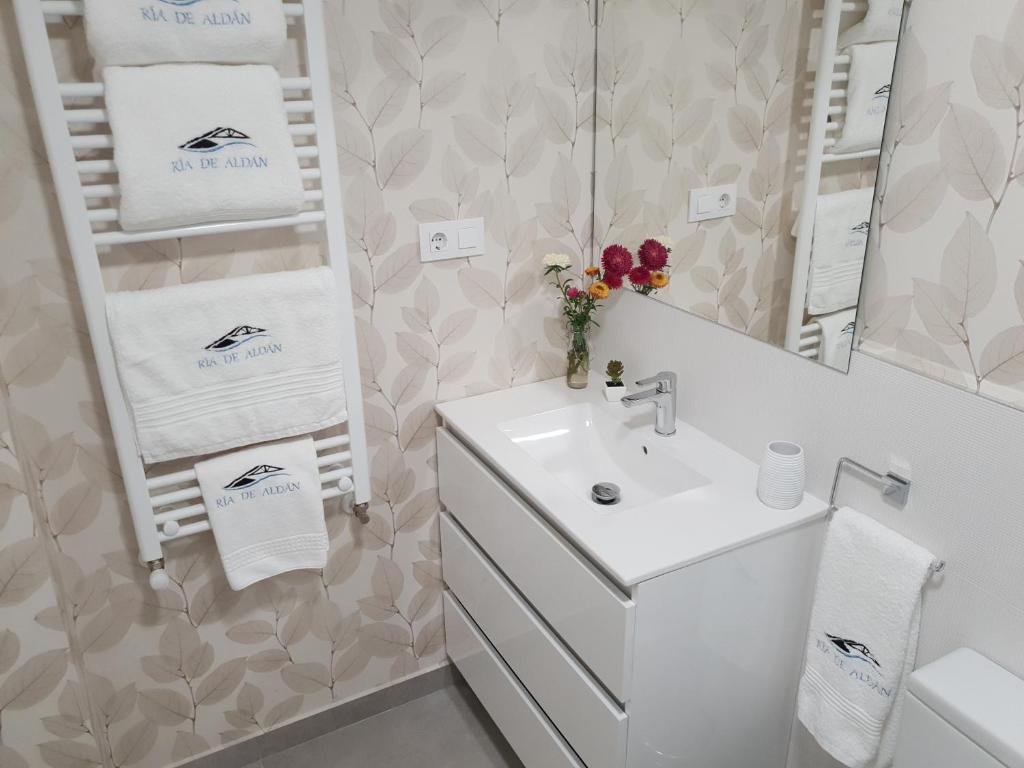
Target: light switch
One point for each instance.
(469, 238)
(712, 203)
(451, 240)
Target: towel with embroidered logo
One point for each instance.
(862, 641)
(211, 366)
(141, 32)
(266, 510)
(201, 143)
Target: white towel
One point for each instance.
(837, 332)
(867, 101)
(198, 143)
(863, 639)
(211, 366)
(266, 510)
(140, 32)
(881, 23)
(841, 225)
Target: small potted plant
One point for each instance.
(614, 389)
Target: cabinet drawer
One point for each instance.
(589, 720)
(593, 618)
(531, 735)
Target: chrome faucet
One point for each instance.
(664, 398)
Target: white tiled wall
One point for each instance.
(962, 452)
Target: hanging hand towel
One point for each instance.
(867, 101)
(837, 332)
(863, 639)
(211, 366)
(142, 32)
(841, 225)
(881, 23)
(266, 510)
(197, 143)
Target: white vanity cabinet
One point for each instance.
(694, 668)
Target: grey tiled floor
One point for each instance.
(445, 729)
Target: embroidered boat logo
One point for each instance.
(851, 649)
(236, 337)
(862, 228)
(255, 476)
(883, 92)
(216, 140)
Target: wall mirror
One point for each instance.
(769, 111)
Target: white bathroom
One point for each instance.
(511, 383)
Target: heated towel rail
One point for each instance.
(828, 114)
(87, 190)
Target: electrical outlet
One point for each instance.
(451, 240)
(438, 242)
(712, 203)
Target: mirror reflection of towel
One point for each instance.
(837, 332)
(867, 100)
(881, 23)
(841, 225)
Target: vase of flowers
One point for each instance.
(580, 303)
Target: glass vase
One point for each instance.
(578, 369)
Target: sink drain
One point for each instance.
(606, 494)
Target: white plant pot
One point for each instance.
(614, 394)
(783, 474)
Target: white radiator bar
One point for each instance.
(347, 470)
(828, 112)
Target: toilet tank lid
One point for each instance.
(979, 698)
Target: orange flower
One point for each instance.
(659, 279)
(600, 290)
(593, 271)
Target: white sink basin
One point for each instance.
(583, 445)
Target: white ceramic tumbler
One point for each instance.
(780, 483)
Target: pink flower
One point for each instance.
(640, 276)
(617, 260)
(653, 255)
(573, 292)
(613, 280)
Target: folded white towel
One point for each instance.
(211, 366)
(165, 31)
(867, 100)
(841, 226)
(198, 143)
(882, 22)
(266, 510)
(863, 639)
(837, 332)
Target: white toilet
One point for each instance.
(963, 711)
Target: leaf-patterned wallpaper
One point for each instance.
(945, 278)
(452, 108)
(444, 109)
(695, 94)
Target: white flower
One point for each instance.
(667, 241)
(558, 260)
